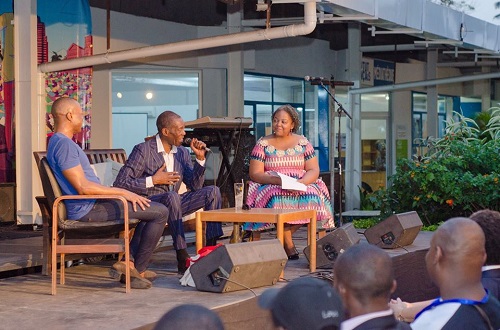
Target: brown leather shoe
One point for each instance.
(148, 274)
(136, 280)
(139, 282)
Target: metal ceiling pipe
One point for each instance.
(189, 45)
(470, 64)
(389, 48)
(424, 83)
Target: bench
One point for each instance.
(115, 158)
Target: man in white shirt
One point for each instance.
(454, 261)
(156, 168)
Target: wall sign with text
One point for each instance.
(377, 72)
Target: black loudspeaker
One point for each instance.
(333, 244)
(240, 266)
(396, 231)
(7, 202)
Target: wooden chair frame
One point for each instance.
(59, 222)
(58, 246)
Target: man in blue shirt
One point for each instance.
(72, 170)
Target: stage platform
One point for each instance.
(91, 299)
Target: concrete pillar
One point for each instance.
(102, 122)
(353, 137)
(235, 72)
(432, 95)
(485, 90)
(29, 111)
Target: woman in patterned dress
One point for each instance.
(291, 154)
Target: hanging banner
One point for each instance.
(65, 32)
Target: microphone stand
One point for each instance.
(340, 110)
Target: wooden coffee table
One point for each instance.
(276, 216)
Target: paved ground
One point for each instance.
(91, 299)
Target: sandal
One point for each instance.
(294, 255)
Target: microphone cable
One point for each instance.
(225, 276)
(240, 129)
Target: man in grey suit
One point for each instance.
(156, 168)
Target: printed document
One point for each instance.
(287, 182)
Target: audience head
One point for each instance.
(190, 317)
(456, 253)
(364, 278)
(293, 115)
(304, 303)
(171, 128)
(489, 221)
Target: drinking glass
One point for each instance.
(238, 195)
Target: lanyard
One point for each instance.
(439, 301)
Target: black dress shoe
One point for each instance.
(211, 241)
(181, 267)
(182, 256)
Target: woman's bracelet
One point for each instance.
(400, 316)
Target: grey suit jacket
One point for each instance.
(145, 160)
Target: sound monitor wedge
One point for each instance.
(329, 247)
(239, 266)
(398, 230)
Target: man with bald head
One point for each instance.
(72, 170)
(454, 262)
(364, 278)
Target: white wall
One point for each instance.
(304, 56)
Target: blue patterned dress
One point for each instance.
(292, 163)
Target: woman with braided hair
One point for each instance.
(291, 154)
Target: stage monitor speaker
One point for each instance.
(333, 244)
(7, 202)
(396, 231)
(240, 266)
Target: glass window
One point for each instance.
(446, 105)
(258, 88)
(262, 119)
(288, 90)
(373, 153)
(375, 102)
(264, 94)
(143, 95)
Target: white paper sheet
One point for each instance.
(287, 182)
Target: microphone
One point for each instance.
(187, 142)
(317, 80)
